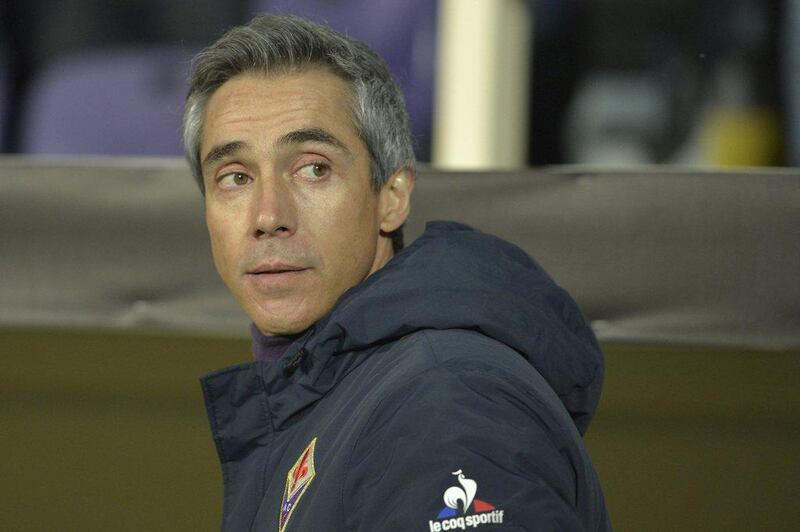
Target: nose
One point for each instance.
(274, 214)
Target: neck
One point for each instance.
(268, 347)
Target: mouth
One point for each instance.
(277, 271)
(269, 278)
(272, 269)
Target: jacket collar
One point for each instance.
(452, 277)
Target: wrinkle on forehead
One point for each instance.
(231, 104)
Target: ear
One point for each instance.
(394, 199)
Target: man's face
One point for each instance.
(291, 213)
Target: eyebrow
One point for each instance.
(313, 134)
(224, 150)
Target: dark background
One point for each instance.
(684, 64)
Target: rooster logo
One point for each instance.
(460, 499)
(453, 495)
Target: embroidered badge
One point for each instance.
(462, 510)
(297, 481)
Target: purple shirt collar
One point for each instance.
(270, 348)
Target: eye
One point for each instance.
(234, 179)
(314, 171)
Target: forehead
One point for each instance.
(262, 105)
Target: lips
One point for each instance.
(275, 268)
(272, 278)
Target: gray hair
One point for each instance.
(282, 44)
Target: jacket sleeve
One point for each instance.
(470, 444)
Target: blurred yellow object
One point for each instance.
(742, 136)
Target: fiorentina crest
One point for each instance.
(297, 481)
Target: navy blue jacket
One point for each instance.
(447, 391)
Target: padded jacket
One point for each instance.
(447, 391)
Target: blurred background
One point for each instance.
(672, 233)
(690, 82)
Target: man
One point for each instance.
(441, 388)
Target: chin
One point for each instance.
(281, 325)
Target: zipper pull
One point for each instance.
(299, 358)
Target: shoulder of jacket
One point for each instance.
(433, 354)
(455, 349)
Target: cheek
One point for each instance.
(222, 241)
(362, 232)
(356, 220)
(217, 252)
(343, 231)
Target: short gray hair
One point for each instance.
(275, 44)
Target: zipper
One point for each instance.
(299, 358)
